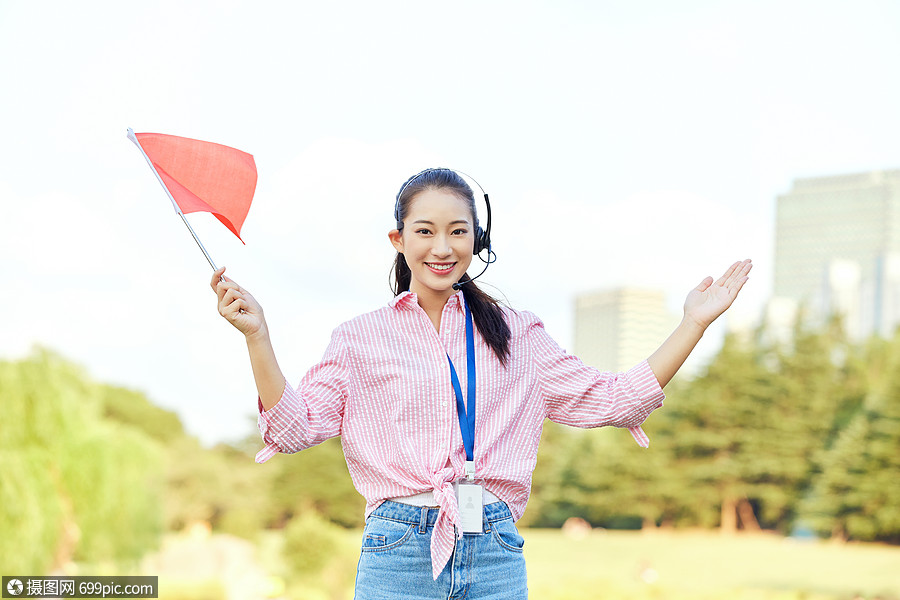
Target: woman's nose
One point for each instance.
(441, 246)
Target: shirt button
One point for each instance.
(444, 403)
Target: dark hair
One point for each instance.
(486, 311)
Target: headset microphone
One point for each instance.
(492, 258)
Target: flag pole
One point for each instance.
(134, 139)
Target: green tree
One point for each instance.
(113, 476)
(314, 479)
(72, 482)
(718, 436)
(821, 383)
(31, 513)
(857, 493)
(751, 426)
(601, 476)
(134, 409)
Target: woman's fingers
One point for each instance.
(219, 281)
(734, 273)
(228, 298)
(223, 287)
(232, 301)
(723, 280)
(233, 309)
(229, 295)
(216, 278)
(739, 274)
(704, 285)
(235, 304)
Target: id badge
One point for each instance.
(471, 506)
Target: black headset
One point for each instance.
(482, 236)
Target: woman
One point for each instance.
(439, 399)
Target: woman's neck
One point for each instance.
(433, 304)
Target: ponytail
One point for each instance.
(489, 320)
(402, 275)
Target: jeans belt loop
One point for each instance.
(423, 520)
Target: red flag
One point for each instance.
(203, 176)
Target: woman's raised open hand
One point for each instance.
(237, 305)
(704, 304)
(711, 298)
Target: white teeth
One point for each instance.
(440, 267)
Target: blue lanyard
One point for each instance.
(466, 413)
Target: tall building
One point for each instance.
(837, 250)
(616, 329)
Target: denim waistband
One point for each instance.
(406, 513)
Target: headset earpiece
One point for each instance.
(483, 236)
(482, 242)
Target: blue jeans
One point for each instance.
(395, 562)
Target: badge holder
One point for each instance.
(470, 497)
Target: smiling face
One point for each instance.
(437, 240)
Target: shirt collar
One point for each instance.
(402, 300)
(408, 299)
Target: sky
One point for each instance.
(622, 143)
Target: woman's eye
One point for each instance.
(460, 232)
(423, 231)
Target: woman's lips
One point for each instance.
(440, 268)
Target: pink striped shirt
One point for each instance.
(384, 387)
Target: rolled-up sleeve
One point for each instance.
(311, 413)
(578, 395)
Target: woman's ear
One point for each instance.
(396, 239)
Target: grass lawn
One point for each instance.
(613, 565)
(701, 565)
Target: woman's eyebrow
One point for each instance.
(456, 222)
